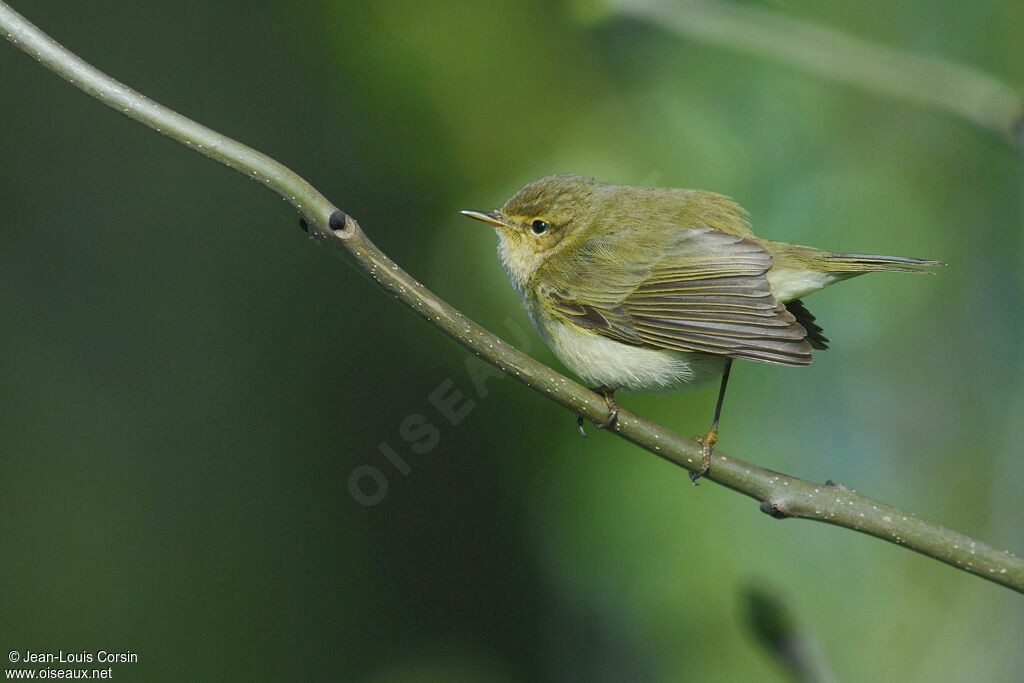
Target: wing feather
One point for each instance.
(704, 291)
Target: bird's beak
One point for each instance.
(492, 217)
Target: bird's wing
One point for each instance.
(701, 290)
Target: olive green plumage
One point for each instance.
(653, 288)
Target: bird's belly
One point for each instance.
(606, 362)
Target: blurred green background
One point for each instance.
(187, 381)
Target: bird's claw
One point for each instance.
(707, 443)
(608, 395)
(612, 417)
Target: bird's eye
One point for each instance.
(539, 227)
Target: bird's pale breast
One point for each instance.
(605, 362)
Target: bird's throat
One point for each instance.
(520, 262)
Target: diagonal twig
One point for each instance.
(779, 495)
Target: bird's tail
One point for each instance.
(853, 264)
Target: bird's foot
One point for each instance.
(707, 442)
(608, 394)
(613, 415)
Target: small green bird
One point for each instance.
(655, 288)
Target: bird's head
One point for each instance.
(538, 221)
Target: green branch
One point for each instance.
(959, 90)
(779, 495)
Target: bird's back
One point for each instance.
(657, 208)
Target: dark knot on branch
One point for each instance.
(337, 221)
(773, 509)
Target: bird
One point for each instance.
(650, 289)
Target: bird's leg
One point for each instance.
(608, 394)
(708, 441)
